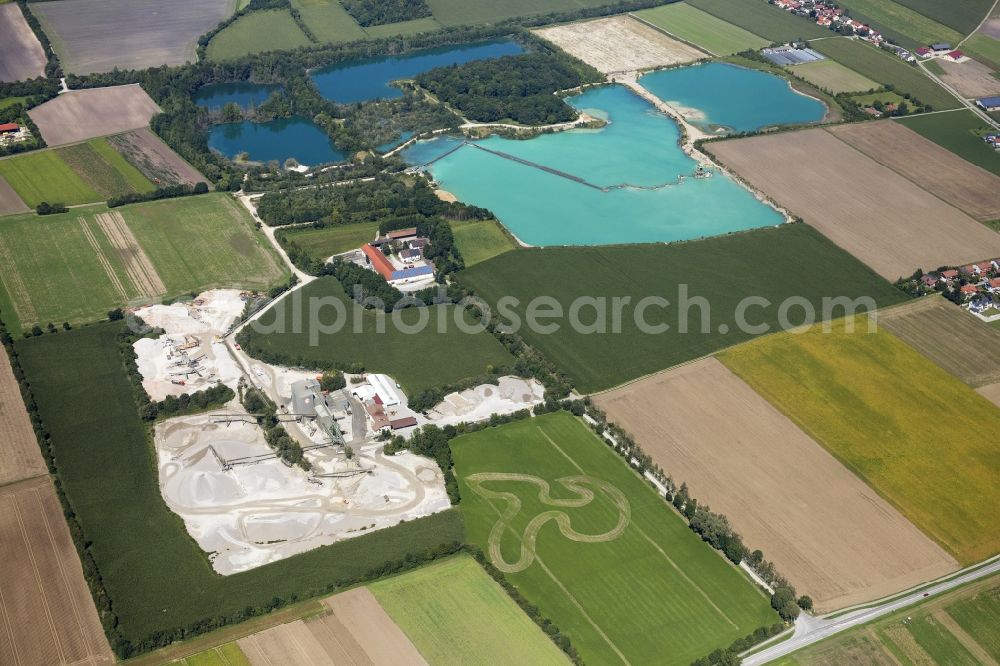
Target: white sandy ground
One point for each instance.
(477, 404)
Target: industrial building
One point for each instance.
(989, 103)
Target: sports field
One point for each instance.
(831, 75)
(419, 360)
(762, 19)
(479, 240)
(106, 464)
(328, 241)
(456, 614)
(961, 133)
(901, 24)
(271, 30)
(45, 176)
(622, 576)
(920, 437)
(887, 69)
(956, 628)
(763, 259)
(702, 29)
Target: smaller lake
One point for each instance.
(245, 95)
(364, 80)
(275, 140)
(736, 98)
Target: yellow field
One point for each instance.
(921, 438)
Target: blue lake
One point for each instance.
(363, 80)
(732, 97)
(636, 150)
(245, 95)
(275, 140)
(389, 145)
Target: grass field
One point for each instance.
(920, 437)
(468, 12)
(329, 21)
(417, 361)
(11, 101)
(271, 30)
(956, 628)
(960, 132)
(962, 15)
(831, 75)
(879, 66)
(625, 578)
(44, 176)
(402, 28)
(901, 24)
(107, 172)
(984, 48)
(885, 97)
(763, 260)
(456, 614)
(702, 29)
(479, 240)
(106, 466)
(328, 241)
(224, 655)
(762, 19)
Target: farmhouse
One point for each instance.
(989, 103)
(407, 264)
(9, 128)
(941, 48)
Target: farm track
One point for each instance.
(102, 258)
(137, 264)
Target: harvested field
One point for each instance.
(884, 220)
(9, 201)
(19, 454)
(948, 335)
(155, 159)
(139, 268)
(21, 56)
(46, 612)
(991, 393)
(971, 79)
(382, 640)
(98, 35)
(619, 43)
(107, 110)
(290, 643)
(933, 168)
(829, 533)
(831, 75)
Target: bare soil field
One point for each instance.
(46, 613)
(21, 56)
(98, 35)
(948, 335)
(991, 393)
(84, 114)
(19, 454)
(619, 43)
(971, 79)
(991, 28)
(362, 615)
(880, 217)
(932, 167)
(155, 159)
(9, 201)
(830, 534)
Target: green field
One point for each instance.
(760, 262)
(887, 69)
(329, 21)
(919, 436)
(417, 361)
(402, 28)
(271, 30)
(885, 97)
(328, 241)
(456, 614)
(469, 12)
(101, 167)
(901, 24)
(50, 271)
(702, 29)
(960, 132)
(479, 240)
(762, 19)
(44, 176)
(962, 15)
(831, 75)
(155, 574)
(11, 101)
(929, 633)
(984, 48)
(224, 655)
(630, 583)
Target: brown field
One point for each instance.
(356, 631)
(139, 268)
(155, 159)
(46, 613)
(883, 219)
(84, 114)
(9, 201)
(19, 454)
(991, 28)
(619, 43)
(932, 167)
(948, 335)
(21, 56)
(971, 79)
(991, 393)
(830, 534)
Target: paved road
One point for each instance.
(809, 629)
(966, 103)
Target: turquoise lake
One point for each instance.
(732, 97)
(275, 140)
(363, 80)
(637, 148)
(245, 95)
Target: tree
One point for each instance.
(116, 314)
(332, 381)
(805, 602)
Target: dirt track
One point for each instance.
(21, 56)
(46, 612)
(19, 454)
(85, 114)
(935, 169)
(824, 529)
(869, 210)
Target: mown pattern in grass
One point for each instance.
(256, 32)
(762, 19)
(653, 594)
(701, 29)
(916, 434)
(960, 132)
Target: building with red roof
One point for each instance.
(9, 127)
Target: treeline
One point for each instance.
(265, 411)
(36, 91)
(730, 656)
(252, 6)
(518, 88)
(380, 12)
(167, 192)
(53, 68)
